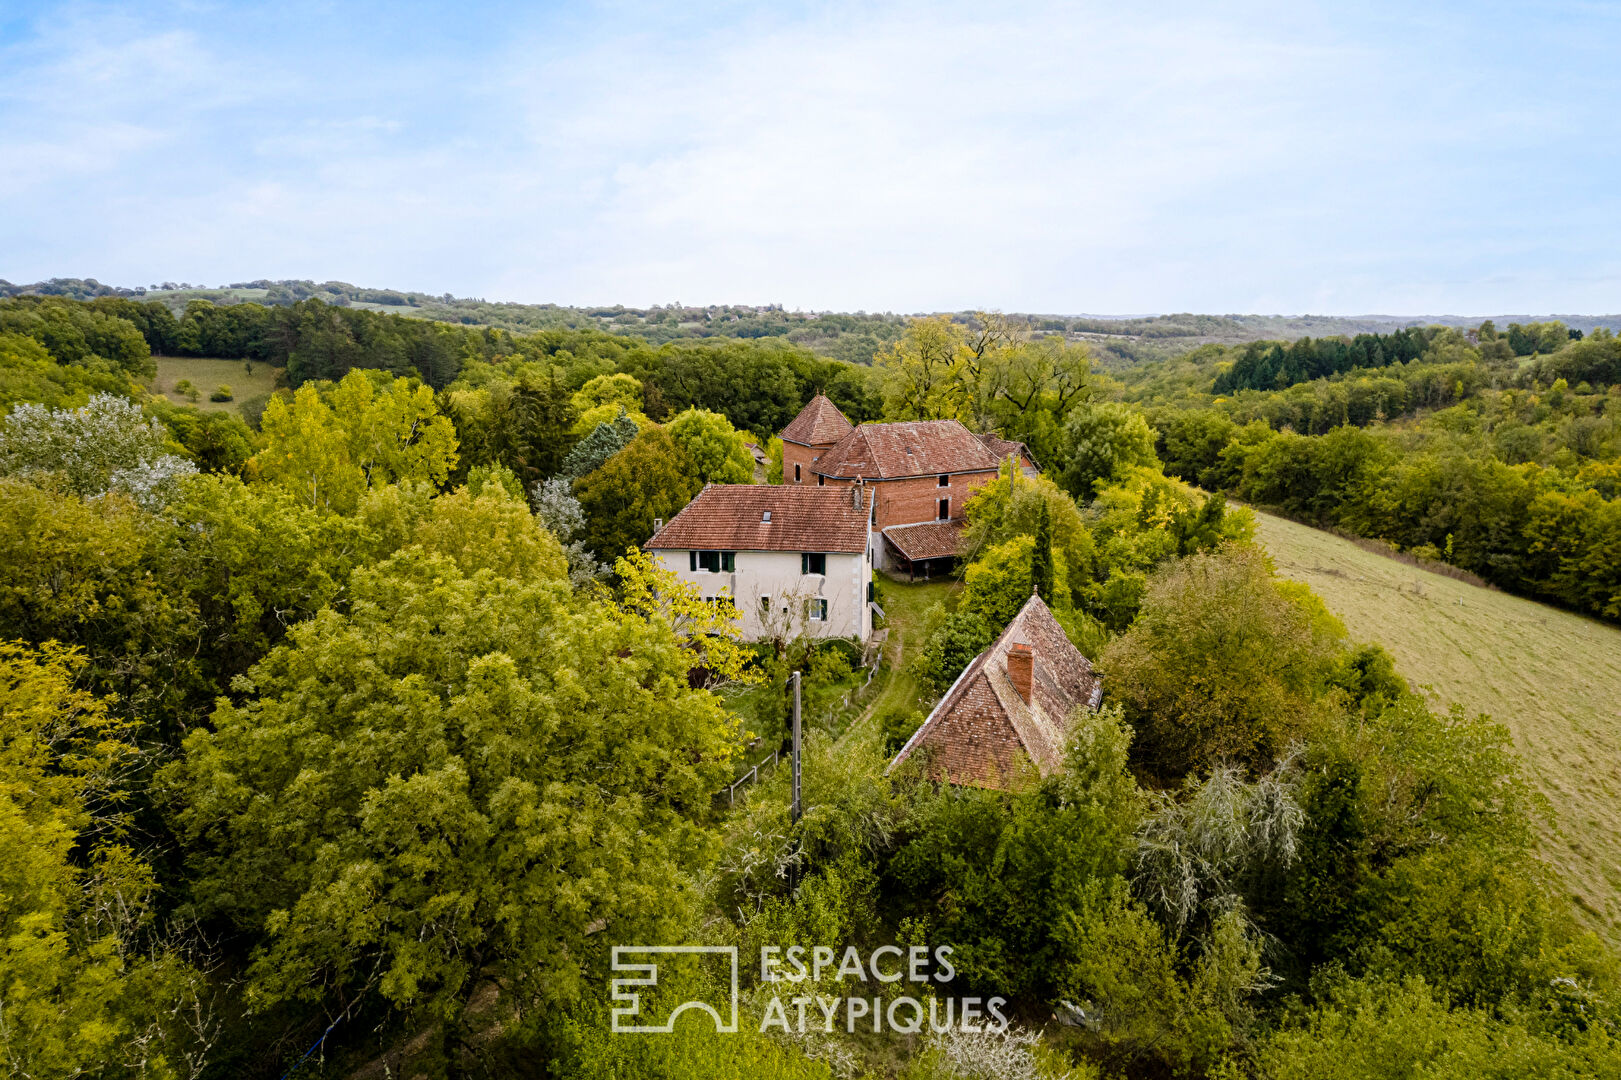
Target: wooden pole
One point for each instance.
(796, 809)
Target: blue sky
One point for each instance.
(1274, 158)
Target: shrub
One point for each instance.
(952, 641)
(222, 392)
(1221, 663)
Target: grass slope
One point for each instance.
(1552, 677)
(207, 372)
(906, 604)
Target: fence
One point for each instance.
(752, 775)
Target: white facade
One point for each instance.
(776, 598)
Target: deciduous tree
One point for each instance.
(461, 780)
(713, 446)
(649, 479)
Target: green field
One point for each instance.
(1552, 677)
(207, 372)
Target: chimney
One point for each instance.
(855, 496)
(1021, 668)
(658, 526)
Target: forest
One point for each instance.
(348, 732)
(1501, 463)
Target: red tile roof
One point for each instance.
(910, 448)
(1003, 447)
(929, 540)
(731, 517)
(819, 423)
(983, 733)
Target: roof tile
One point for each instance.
(819, 423)
(929, 540)
(731, 517)
(908, 448)
(1003, 447)
(982, 732)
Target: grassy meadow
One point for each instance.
(207, 372)
(1554, 678)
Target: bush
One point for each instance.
(898, 724)
(1378, 1029)
(831, 661)
(253, 409)
(222, 392)
(1220, 664)
(953, 639)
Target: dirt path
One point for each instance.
(906, 605)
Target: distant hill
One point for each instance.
(1120, 341)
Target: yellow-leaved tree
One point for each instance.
(80, 994)
(331, 443)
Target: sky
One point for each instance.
(1290, 158)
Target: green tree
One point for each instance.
(1014, 505)
(83, 992)
(1029, 389)
(607, 396)
(713, 446)
(1041, 556)
(998, 583)
(255, 560)
(1102, 439)
(999, 875)
(533, 427)
(368, 436)
(492, 770)
(923, 373)
(601, 443)
(101, 574)
(28, 372)
(307, 453)
(216, 441)
(79, 334)
(950, 643)
(650, 478)
(1220, 664)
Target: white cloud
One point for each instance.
(912, 157)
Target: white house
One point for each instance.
(793, 559)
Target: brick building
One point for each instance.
(920, 472)
(1010, 709)
(818, 428)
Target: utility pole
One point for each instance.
(796, 810)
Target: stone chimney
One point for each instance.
(1021, 668)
